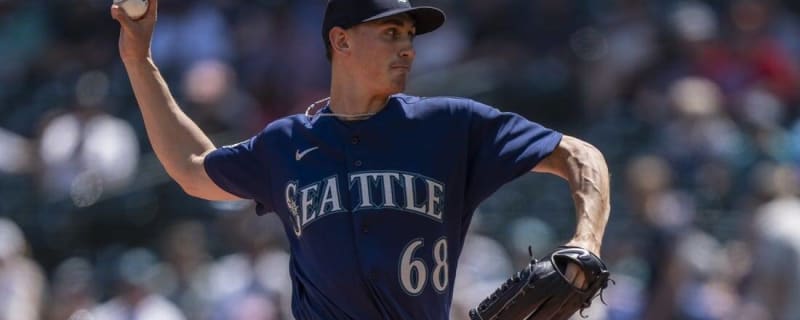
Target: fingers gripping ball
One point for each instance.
(135, 9)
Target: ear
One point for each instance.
(340, 40)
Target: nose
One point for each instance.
(408, 51)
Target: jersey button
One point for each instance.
(357, 163)
(355, 140)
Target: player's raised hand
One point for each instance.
(135, 35)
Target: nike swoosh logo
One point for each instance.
(299, 155)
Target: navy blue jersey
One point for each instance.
(376, 211)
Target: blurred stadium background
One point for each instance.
(694, 103)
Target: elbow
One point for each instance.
(185, 182)
(596, 156)
(581, 161)
(195, 182)
(584, 154)
(190, 189)
(594, 166)
(588, 167)
(186, 178)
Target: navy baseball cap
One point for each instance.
(348, 13)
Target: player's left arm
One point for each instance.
(586, 171)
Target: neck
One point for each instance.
(350, 99)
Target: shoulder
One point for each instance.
(440, 102)
(285, 125)
(283, 128)
(441, 105)
(275, 131)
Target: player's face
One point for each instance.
(384, 52)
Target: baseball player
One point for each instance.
(375, 188)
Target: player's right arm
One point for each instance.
(178, 142)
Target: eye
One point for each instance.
(395, 33)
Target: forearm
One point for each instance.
(585, 169)
(177, 141)
(590, 192)
(589, 183)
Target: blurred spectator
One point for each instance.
(71, 292)
(251, 303)
(530, 233)
(17, 157)
(135, 298)
(665, 216)
(769, 62)
(23, 39)
(215, 101)
(22, 284)
(255, 278)
(85, 152)
(614, 53)
(189, 32)
(793, 143)
(483, 266)
(700, 274)
(184, 274)
(701, 131)
(774, 284)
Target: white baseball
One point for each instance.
(133, 8)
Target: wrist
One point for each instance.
(137, 61)
(586, 242)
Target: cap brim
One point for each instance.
(426, 19)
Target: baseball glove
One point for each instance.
(542, 292)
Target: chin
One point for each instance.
(392, 89)
(391, 85)
(398, 86)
